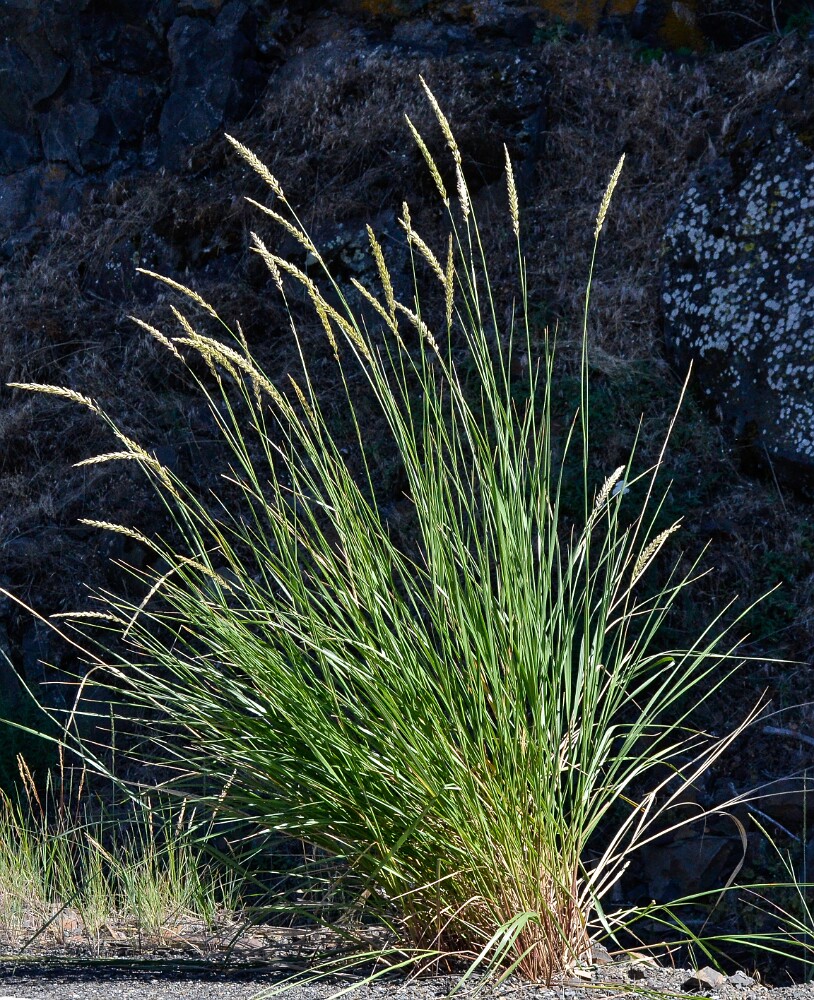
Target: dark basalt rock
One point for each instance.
(102, 87)
(18, 195)
(66, 131)
(90, 89)
(214, 77)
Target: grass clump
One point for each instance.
(75, 874)
(481, 723)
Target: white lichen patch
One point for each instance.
(738, 291)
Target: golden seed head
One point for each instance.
(140, 455)
(651, 551)
(384, 273)
(303, 401)
(322, 313)
(607, 487)
(119, 529)
(431, 164)
(442, 121)
(243, 342)
(257, 166)
(463, 191)
(57, 390)
(109, 456)
(157, 335)
(421, 326)
(190, 294)
(373, 301)
(349, 330)
(233, 362)
(415, 240)
(95, 615)
(606, 197)
(268, 259)
(297, 273)
(187, 327)
(449, 282)
(294, 231)
(514, 205)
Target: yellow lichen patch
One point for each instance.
(586, 13)
(679, 29)
(384, 8)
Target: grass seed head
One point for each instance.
(607, 487)
(294, 231)
(268, 259)
(118, 529)
(420, 325)
(109, 456)
(157, 335)
(463, 191)
(190, 294)
(442, 121)
(514, 205)
(649, 553)
(257, 166)
(415, 240)
(312, 418)
(606, 197)
(431, 164)
(384, 273)
(59, 391)
(370, 298)
(184, 322)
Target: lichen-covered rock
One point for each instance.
(738, 293)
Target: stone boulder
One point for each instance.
(215, 77)
(738, 294)
(91, 90)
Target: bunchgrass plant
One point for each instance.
(481, 725)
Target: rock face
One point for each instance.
(215, 77)
(668, 23)
(697, 25)
(92, 90)
(738, 293)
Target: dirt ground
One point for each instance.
(167, 982)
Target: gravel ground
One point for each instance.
(165, 981)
